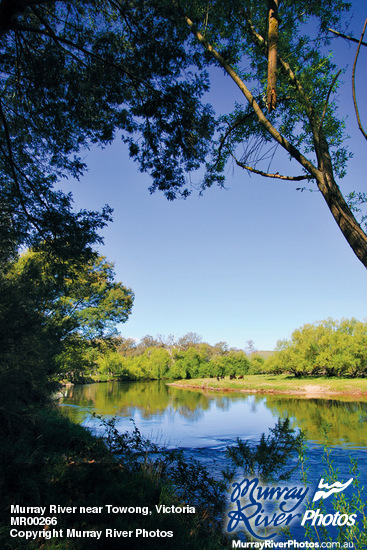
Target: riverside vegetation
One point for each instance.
(329, 349)
(58, 315)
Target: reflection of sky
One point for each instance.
(207, 429)
(214, 427)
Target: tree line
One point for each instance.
(328, 348)
(157, 358)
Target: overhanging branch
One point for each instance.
(346, 37)
(354, 82)
(269, 175)
(291, 149)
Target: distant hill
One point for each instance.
(262, 353)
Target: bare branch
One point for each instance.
(354, 82)
(271, 94)
(260, 41)
(223, 139)
(268, 175)
(351, 38)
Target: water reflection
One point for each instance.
(345, 422)
(200, 419)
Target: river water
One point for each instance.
(204, 423)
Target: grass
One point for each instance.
(283, 384)
(46, 459)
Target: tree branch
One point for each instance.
(351, 38)
(233, 126)
(326, 183)
(327, 98)
(269, 175)
(291, 149)
(52, 34)
(354, 82)
(72, 44)
(10, 159)
(10, 9)
(271, 94)
(260, 41)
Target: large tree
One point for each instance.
(73, 74)
(76, 73)
(50, 310)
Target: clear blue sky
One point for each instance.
(253, 262)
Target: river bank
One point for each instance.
(58, 467)
(318, 387)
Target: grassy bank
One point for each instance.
(47, 460)
(282, 383)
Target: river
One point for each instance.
(204, 424)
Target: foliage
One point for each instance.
(50, 311)
(76, 296)
(270, 459)
(78, 73)
(189, 479)
(329, 348)
(186, 357)
(52, 460)
(354, 503)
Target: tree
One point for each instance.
(328, 348)
(191, 339)
(305, 123)
(73, 74)
(76, 73)
(250, 347)
(76, 297)
(360, 43)
(50, 311)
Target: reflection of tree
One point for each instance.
(189, 413)
(311, 415)
(124, 398)
(75, 414)
(223, 403)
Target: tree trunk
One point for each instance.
(272, 54)
(341, 212)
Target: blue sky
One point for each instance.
(254, 261)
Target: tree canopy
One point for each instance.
(78, 73)
(50, 310)
(73, 74)
(328, 348)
